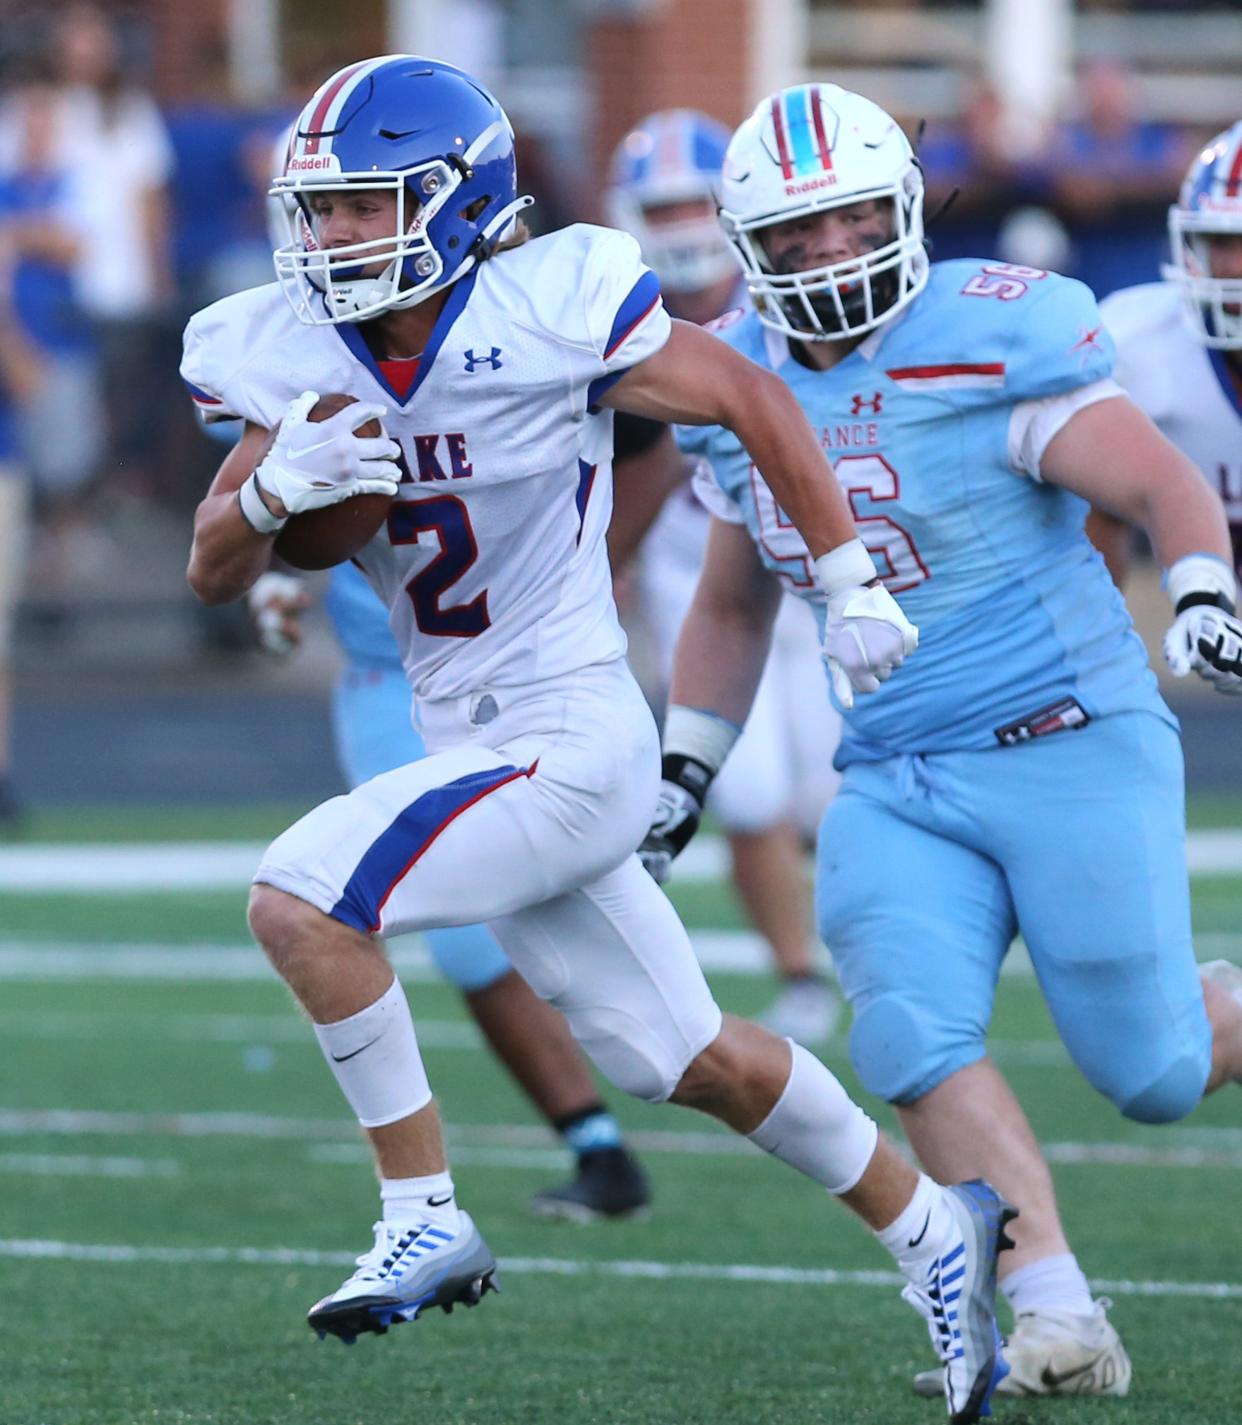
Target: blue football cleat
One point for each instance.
(958, 1300)
(408, 1269)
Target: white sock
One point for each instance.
(374, 1055)
(925, 1230)
(1051, 1284)
(816, 1127)
(412, 1201)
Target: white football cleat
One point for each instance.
(806, 1011)
(408, 1269)
(957, 1299)
(1057, 1353)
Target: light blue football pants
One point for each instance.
(929, 865)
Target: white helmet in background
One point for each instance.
(672, 158)
(1209, 205)
(806, 150)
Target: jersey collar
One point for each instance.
(452, 309)
(1225, 378)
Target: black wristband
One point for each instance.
(1200, 598)
(689, 773)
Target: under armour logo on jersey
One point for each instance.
(872, 404)
(1088, 341)
(473, 361)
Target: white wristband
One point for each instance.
(690, 732)
(255, 512)
(848, 566)
(1200, 574)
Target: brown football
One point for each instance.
(318, 539)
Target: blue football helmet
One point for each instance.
(427, 133)
(672, 157)
(1209, 206)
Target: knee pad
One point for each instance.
(627, 1053)
(1172, 1096)
(896, 1052)
(468, 956)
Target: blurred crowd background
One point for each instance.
(135, 149)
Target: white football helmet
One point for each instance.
(805, 150)
(1209, 205)
(673, 156)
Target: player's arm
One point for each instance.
(641, 484)
(309, 465)
(228, 553)
(721, 651)
(696, 379)
(1111, 537)
(1112, 455)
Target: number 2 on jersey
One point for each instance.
(446, 517)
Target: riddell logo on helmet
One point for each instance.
(314, 163)
(828, 180)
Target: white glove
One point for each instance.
(277, 602)
(866, 638)
(317, 463)
(1207, 640)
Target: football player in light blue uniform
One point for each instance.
(372, 732)
(1021, 770)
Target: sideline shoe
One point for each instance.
(409, 1268)
(957, 1298)
(806, 1011)
(609, 1183)
(1057, 1353)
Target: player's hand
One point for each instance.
(1206, 640)
(317, 463)
(867, 636)
(679, 809)
(277, 602)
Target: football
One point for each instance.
(318, 539)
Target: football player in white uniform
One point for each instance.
(1179, 342)
(663, 184)
(492, 361)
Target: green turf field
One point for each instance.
(178, 1182)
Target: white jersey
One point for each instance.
(1184, 387)
(492, 562)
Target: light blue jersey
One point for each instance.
(360, 622)
(1018, 619)
(959, 821)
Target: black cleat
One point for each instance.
(609, 1183)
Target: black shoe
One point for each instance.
(609, 1183)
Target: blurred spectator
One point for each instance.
(21, 377)
(111, 131)
(1113, 170)
(55, 413)
(992, 175)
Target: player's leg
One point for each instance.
(426, 1252)
(753, 797)
(373, 734)
(614, 958)
(533, 1042)
(567, 798)
(917, 952)
(1123, 988)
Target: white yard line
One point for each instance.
(229, 865)
(122, 1254)
(64, 1165)
(1179, 1148)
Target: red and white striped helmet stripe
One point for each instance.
(313, 132)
